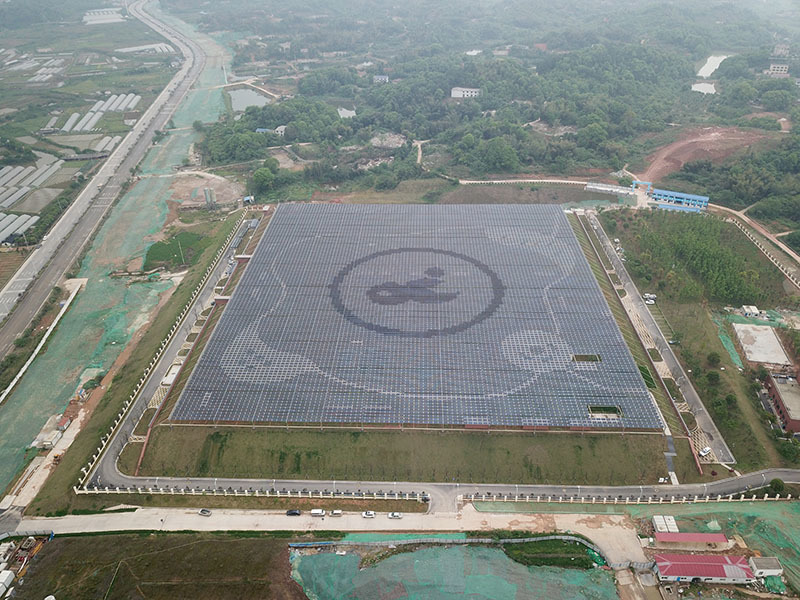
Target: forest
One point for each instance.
(605, 95)
(692, 258)
(767, 181)
(564, 89)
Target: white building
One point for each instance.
(281, 130)
(461, 92)
(766, 566)
(778, 70)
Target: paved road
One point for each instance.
(704, 420)
(33, 282)
(106, 468)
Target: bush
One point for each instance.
(777, 486)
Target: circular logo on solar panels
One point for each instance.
(416, 292)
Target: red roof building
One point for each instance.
(663, 537)
(699, 568)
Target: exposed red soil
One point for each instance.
(708, 143)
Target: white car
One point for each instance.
(368, 514)
(395, 515)
(649, 302)
(705, 451)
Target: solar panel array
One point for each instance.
(437, 315)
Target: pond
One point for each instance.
(712, 64)
(243, 97)
(704, 88)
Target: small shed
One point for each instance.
(766, 566)
(750, 311)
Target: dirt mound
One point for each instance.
(708, 143)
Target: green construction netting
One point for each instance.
(726, 340)
(108, 311)
(443, 573)
(769, 527)
(774, 584)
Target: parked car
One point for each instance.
(650, 302)
(293, 512)
(395, 515)
(204, 512)
(705, 451)
(336, 513)
(368, 514)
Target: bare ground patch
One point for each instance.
(707, 143)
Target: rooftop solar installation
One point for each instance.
(458, 315)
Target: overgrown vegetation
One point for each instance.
(692, 258)
(698, 263)
(180, 250)
(559, 92)
(554, 553)
(769, 181)
(13, 152)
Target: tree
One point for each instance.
(263, 179)
(592, 136)
(777, 486)
(198, 125)
(713, 378)
(713, 359)
(272, 164)
(776, 100)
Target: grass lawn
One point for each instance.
(156, 566)
(747, 436)
(556, 553)
(403, 456)
(741, 424)
(413, 191)
(182, 249)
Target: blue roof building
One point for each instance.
(679, 200)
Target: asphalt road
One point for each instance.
(45, 267)
(106, 468)
(443, 496)
(704, 420)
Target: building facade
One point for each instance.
(785, 394)
(461, 92)
(699, 568)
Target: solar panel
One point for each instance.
(438, 315)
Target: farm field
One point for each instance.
(9, 263)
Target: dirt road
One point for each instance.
(707, 143)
